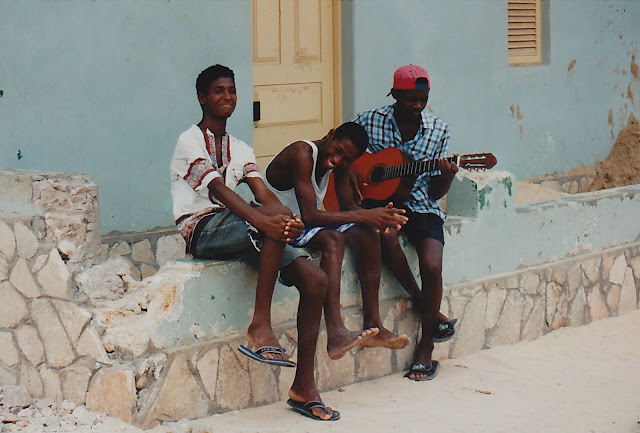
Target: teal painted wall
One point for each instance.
(106, 87)
(564, 113)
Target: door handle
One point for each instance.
(256, 111)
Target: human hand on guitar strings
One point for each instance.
(439, 185)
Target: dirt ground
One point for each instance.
(581, 380)
(573, 380)
(620, 168)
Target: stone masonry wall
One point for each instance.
(78, 323)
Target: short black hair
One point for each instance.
(355, 133)
(209, 75)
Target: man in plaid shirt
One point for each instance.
(422, 136)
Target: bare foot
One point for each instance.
(305, 397)
(388, 339)
(260, 337)
(338, 344)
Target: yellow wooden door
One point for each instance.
(294, 72)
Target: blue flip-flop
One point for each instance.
(257, 355)
(306, 409)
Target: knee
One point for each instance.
(277, 209)
(333, 242)
(431, 269)
(315, 286)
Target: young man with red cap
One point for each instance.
(421, 136)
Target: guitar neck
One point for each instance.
(413, 168)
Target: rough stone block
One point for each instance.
(75, 381)
(560, 317)
(15, 397)
(147, 271)
(8, 352)
(38, 263)
(628, 295)
(141, 252)
(530, 283)
(553, 292)
(285, 380)
(54, 277)
(495, 300)
(22, 279)
(613, 299)
(409, 325)
(8, 376)
(120, 249)
(574, 279)
(233, 389)
(331, 374)
(262, 379)
(374, 362)
(104, 281)
(90, 345)
(26, 241)
(208, 369)
(30, 344)
(7, 240)
(577, 309)
(591, 269)
(52, 388)
(634, 262)
(58, 349)
(509, 324)
(616, 275)
(170, 248)
(73, 318)
(597, 306)
(471, 337)
(112, 391)
(180, 396)
(534, 325)
(13, 307)
(4, 267)
(30, 379)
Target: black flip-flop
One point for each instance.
(257, 355)
(418, 367)
(305, 409)
(445, 331)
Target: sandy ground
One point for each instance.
(584, 379)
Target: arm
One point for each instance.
(348, 183)
(302, 163)
(275, 227)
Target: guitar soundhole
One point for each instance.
(376, 174)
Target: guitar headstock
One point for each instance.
(477, 161)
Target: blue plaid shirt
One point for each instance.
(431, 142)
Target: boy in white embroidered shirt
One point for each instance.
(207, 164)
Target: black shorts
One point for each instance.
(423, 226)
(419, 226)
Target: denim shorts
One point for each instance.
(226, 236)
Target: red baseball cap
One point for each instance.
(405, 78)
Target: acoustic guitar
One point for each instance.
(390, 173)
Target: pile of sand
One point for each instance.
(622, 166)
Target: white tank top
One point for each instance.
(288, 197)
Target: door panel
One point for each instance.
(293, 72)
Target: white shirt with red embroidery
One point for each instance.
(194, 166)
